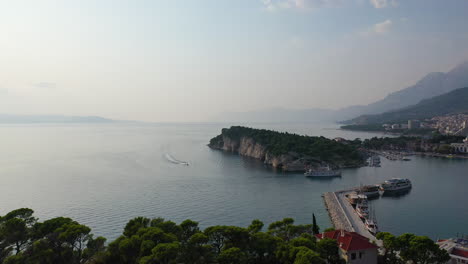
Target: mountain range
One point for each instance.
(453, 102)
(433, 84)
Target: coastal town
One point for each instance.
(456, 124)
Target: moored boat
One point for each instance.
(324, 171)
(371, 226)
(362, 209)
(396, 185)
(370, 190)
(353, 198)
(374, 161)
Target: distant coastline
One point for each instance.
(34, 119)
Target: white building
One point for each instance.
(461, 147)
(457, 249)
(353, 247)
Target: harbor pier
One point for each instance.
(343, 215)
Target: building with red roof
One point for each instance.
(457, 249)
(354, 248)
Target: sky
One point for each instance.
(190, 60)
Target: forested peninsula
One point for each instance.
(286, 151)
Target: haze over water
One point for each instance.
(104, 175)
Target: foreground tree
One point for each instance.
(390, 248)
(315, 227)
(60, 240)
(421, 250)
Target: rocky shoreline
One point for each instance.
(291, 161)
(249, 148)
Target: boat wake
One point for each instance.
(171, 159)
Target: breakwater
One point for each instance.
(336, 212)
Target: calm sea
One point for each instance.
(104, 175)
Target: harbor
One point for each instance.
(343, 215)
(349, 209)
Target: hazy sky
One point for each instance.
(186, 60)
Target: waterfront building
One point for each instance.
(461, 147)
(414, 124)
(396, 126)
(354, 248)
(457, 249)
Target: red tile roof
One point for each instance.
(460, 252)
(348, 241)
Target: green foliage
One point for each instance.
(421, 250)
(278, 143)
(307, 256)
(315, 227)
(61, 240)
(391, 246)
(411, 248)
(328, 249)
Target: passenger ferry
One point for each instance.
(324, 171)
(395, 185)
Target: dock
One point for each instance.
(344, 216)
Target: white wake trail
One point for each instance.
(171, 159)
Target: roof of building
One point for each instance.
(459, 252)
(348, 241)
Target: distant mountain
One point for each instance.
(431, 85)
(278, 115)
(450, 103)
(23, 119)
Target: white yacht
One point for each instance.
(324, 171)
(395, 185)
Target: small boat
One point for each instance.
(396, 184)
(370, 190)
(353, 198)
(371, 226)
(324, 171)
(374, 161)
(362, 209)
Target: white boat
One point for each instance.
(374, 161)
(353, 198)
(362, 209)
(324, 171)
(395, 185)
(371, 226)
(370, 190)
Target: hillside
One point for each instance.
(290, 152)
(433, 84)
(450, 103)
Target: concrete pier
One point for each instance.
(344, 216)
